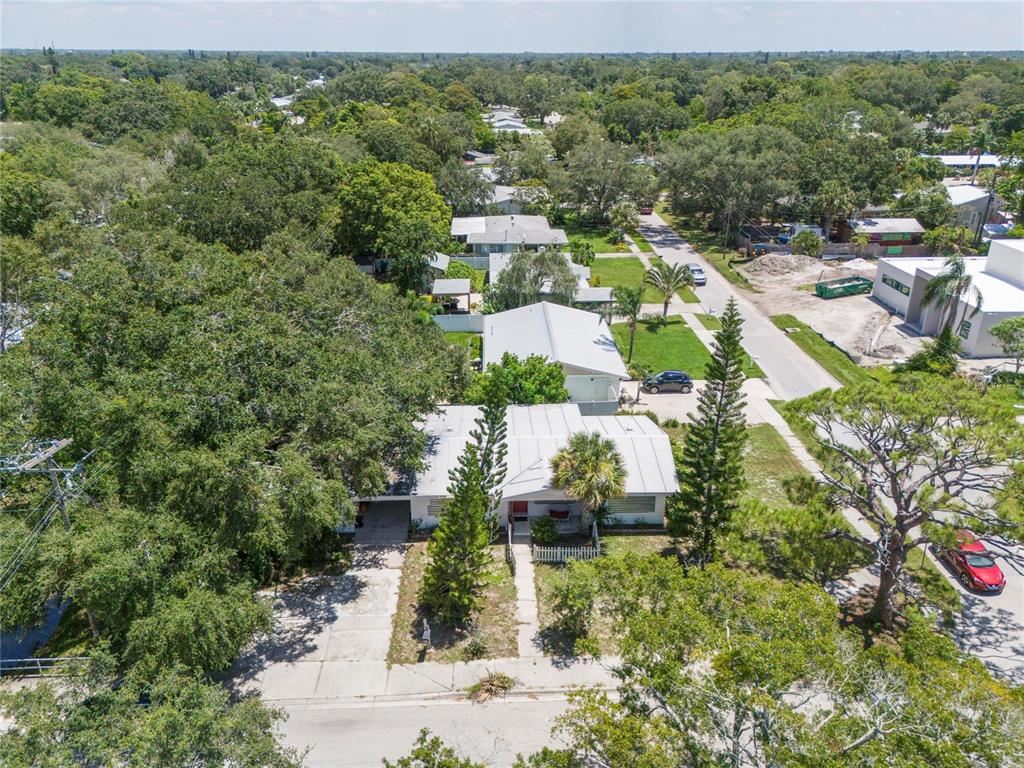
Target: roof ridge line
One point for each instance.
(551, 335)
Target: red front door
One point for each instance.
(519, 510)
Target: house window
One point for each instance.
(896, 285)
(965, 329)
(893, 236)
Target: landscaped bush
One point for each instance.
(543, 531)
(457, 270)
(671, 422)
(574, 598)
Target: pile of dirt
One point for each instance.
(780, 264)
(858, 264)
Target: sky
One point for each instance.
(489, 26)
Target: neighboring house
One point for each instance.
(971, 205)
(507, 119)
(553, 119)
(964, 163)
(890, 232)
(438, 264)
(535, 434)
(504, 198)
(475, 157)
(584, 294)
(579, 341)
(999, 277)
(484, 235)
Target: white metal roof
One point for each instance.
(574, 338)
(962, 194)
(880, 225)
(535, 434)
(963, 161)
(451, 287)
(439, 261)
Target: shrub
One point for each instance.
(670, 422)
(474, 649)
(457, 270)
(543, 531)
(574, 598)
(494, 684)
(650, 415)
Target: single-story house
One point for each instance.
(476, 157)
(584, 294)
(484, 235)
(970, 205)
(535, 434)
(579, 341)
(999, 277)
(968, 162)
(883, 231)
(504, 198)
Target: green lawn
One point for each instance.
(622, 271)
(708, 244)
(711, 322)
(471, 341)
(829, 356)
(641, 242)
(601, 239)
(768, 461)
(660, 348)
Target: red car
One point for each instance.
(974, 565)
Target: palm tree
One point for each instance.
(627, 304)
(590, 470)
(667, 279)
(948, 288)
(582, 252)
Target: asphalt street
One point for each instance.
(492, 733)
(791, 372)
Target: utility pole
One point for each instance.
(984, 217)
(36, 457)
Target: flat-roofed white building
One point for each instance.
(999, 277)
(535, 434)
(579, 341)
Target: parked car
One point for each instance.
(700, 277)
(646, 210)
(668, 381)
(975, 566)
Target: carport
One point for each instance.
(383, 522)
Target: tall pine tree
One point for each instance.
(458, 553)
(710, 467)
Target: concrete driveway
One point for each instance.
(327, 630)
(791, 373)
(675, 405)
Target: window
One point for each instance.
(896, 285)
(965, 329)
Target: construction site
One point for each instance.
(785, 284)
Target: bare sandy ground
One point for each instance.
(862, 327)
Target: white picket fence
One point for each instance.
(563, 554)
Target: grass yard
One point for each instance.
(622, 271)
(828, 355)
(767, 462)
(471, 341)
(708, 244)
(641, 242)
(496, 622)
(601, 239)
(659, 348)
(711, 322)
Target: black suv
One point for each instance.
(668, 381)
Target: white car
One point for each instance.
(697, 272)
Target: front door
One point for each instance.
(520, 510)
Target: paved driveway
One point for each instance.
(327, 628)
(791, 372)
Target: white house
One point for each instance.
(579, 341)
(504, 234)
(970, 204)
(999, 277)
(584, 294)
(968, 162)
(535, 434)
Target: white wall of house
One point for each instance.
(588, 388)
(630, 510)
(892, 287)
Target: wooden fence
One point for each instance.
(564, 554)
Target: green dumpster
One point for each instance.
(844, 286)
